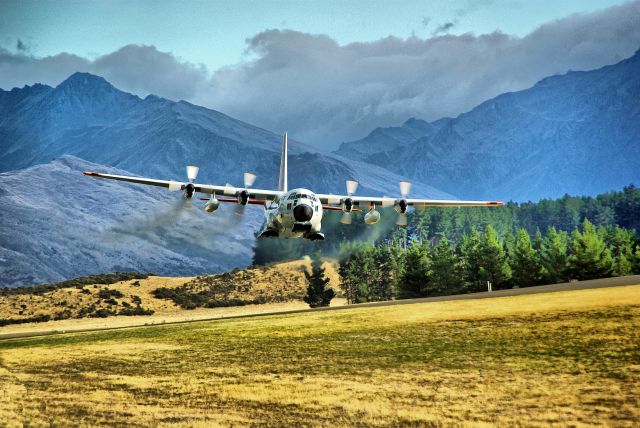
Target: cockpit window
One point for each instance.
(303, 196)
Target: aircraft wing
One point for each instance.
(227, 190)
(366, 202)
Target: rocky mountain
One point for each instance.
(55, 224)
(85, 116)
(577, 133)
(390, 140)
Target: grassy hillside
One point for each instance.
(568, 358)
(137, 296)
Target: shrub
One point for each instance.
(107, 294)
(138, 310)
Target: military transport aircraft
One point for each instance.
(295, 213)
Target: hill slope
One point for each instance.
(578, 133)
(82, 298)
(56, 224)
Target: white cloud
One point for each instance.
(324, 93)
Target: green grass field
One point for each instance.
(567, 358)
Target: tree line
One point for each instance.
(436, 267)
(620, 208)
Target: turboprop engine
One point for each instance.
(189, 189)
(401, 206)
(347, 205)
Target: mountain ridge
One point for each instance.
(544, 141)
(87, 117)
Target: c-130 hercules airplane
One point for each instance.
(295, 213)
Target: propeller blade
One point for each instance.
(192, 172)
(352, 186)
(405, 186)
(239, 211)
(174, 186)
(249, 179)
(402, 219)
(346, 218)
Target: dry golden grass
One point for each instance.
(565, 358)
(272, 281)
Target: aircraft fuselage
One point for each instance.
(297, 214)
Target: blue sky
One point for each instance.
(214, 32)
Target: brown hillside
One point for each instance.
(276, 283)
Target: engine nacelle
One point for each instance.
(401, 206)
(372, 217)
(189, 189)
(347, 205)
(212, 205)
(243, 197)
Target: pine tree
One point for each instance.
(590, 257)
(553, 256)
(525, 263)
(348, 276)
(635, 261)
(445, 270)
(415, 278)
(469, 253)
(508, 244)
(494, 266)
(317, 292)
(620, 242)
(367, 273)
(385, 280)
(537, 240)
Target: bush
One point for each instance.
(64, 315)
(138, 310)
(107, 294)
(102, 313)
(39, 318)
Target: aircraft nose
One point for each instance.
(303, 212)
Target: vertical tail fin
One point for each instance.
(282, 182)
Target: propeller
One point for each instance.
(192, 172)
(346, 218)
(249, 179)
(405, 186)
(352, 186)
(243, 196)
(347, 204)
(189, 188)
(401, 205)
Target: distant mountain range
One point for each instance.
(85, 116)
(578, 133)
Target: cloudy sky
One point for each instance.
(324, 71)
